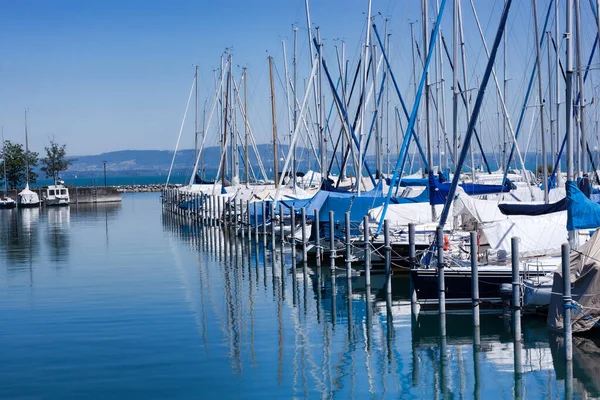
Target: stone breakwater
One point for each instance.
(142, 188)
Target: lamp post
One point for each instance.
(104, 173)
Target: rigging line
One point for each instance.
(180, 131)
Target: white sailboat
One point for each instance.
(27, 197)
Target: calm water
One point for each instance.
(120, 301)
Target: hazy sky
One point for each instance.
(110, 75)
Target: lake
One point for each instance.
(123, 301)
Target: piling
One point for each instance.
(317, 231)
(412, 259)
(348, 247)
(568, 330)
(367, 250)
(256, 222)
(440, 266)
(219, 214)
(273, 229)
(388, 256)
(248, 219)
(293, 230)
(242, 227)
(516, 289)
(281, 229)
(235, 215)
(304, 241)
(264, 223)
(474, 279)
(331, 242)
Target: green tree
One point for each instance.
(56, 160)
(13, 155)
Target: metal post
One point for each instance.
(273, 228)
(331, 242)
(367, 247)
(516, 289)
(348, 247)
(293, 228)
(264, 223)
(242, 227)
(412, 259)
(256, 222)
(568, 330)
(474, 279)
(304, 256)
(317, 230)
(248, 219)
(388, 256)
(281, 228)
(440, 266)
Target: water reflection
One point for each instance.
(333, 336)
(57, 233)
(21, 243)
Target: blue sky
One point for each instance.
(110, 75)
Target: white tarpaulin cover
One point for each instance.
(475, 212)
(400, 215)
(539, 235)
(27, 196)
(585, 288)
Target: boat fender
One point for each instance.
(446, 243)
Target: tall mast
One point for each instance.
(581, 108)
(377, 127)
(550, 98)
(414, 68)
(196, 116)
(321, 110)
(363, 115)
(246, 161)
(538, 60)
(465, 83)
(443, 95)
(295, 94)
(569, 101)
(275, 169)
(504, 57)
(27, 151)
(224, 145)
(557, 81)
(425, 22)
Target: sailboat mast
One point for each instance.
(465, 82)
(580, 72)
(196, 116)
(295, 94)
(224, 147)
(550, 98)
(504, 84)
(569, 100)
(246, 161)
(275, 169)
(424, 5)
(26, 151)
(557, 82)
(541, 100)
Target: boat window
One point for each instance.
(63, 191)
(50, 192)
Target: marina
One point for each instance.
(91, 308)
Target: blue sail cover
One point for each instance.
(439, 191)
(532, 209)
(582, 213)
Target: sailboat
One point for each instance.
(27, 197)
(5, 201)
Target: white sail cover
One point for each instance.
(28, 197)
(539, 235)
(585, 288)
(400, 215)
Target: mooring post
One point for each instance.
(293, 230)
(331, 242)
(264, 223)
(388, 256)
(256, 222)
(317, 230)
(367, 250)
(248, 220)
(348, 246)
(440, 266)
(412, 261)
(567, 301)
(304, 240)
(281, 229)
(242, 220)
(474, 279)
(219, 210)
(516, 289)
(273, 229)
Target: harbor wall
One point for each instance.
(82, 195)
